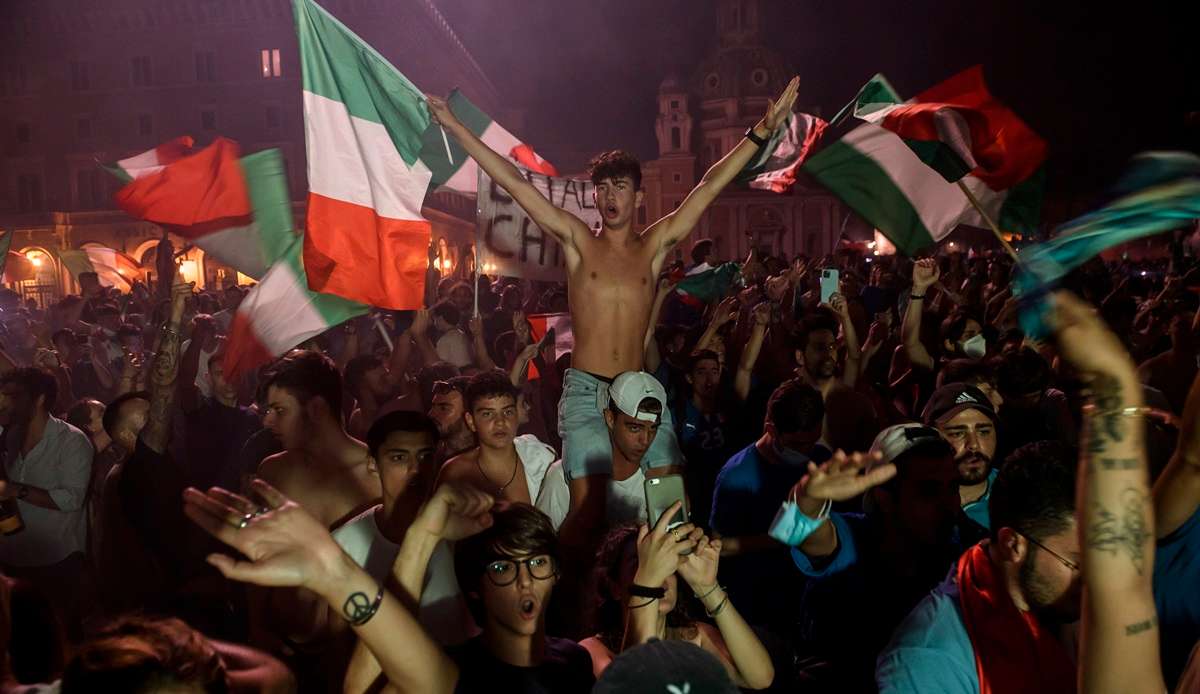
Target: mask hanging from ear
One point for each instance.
(975, 347)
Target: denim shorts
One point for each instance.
(587, 449)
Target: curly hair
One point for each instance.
(608, 610)
(615, 164)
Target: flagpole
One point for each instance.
(987, 218)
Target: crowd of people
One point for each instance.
(440, 500)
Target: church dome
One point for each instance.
(741, 71)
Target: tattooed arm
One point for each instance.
(1177, 491)
(163, 372)
(1119, 649)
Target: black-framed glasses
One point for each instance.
(502, 572)
(1063, 560)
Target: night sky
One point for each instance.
(1098, 80)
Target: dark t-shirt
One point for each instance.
(213, 436)
(567, 667)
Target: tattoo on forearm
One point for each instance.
(162, 391)
(1117, 464)
(1106, 425)
(1122, 531)
(1140, 627)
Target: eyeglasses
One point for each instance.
(503, 572)
(1065, 562)
(443, 387)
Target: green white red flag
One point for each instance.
(891, 181)
(113, 268)
(233, 209)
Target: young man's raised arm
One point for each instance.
(673, 228)
(555, 221)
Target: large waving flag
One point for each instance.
(364, 122)
(775, 166)
(959, 128)
(1159, 192)
(280, 312)
(231, 208)
(892, 183)
(460, 173)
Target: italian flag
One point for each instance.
(775, 167)
(703, 288)
(281, 312)
(113, 268)
(373, 154)
(152, 160)
(459, 172)
(233, 208)
(892, 182)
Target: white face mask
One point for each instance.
(975, 347)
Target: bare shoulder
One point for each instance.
(281, 470)
(460, 465)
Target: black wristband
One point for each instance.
(646, 592)
(753, 137)
(915, 297)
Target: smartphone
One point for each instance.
(661, 492)
(829, 283)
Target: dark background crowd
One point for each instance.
(114, 403)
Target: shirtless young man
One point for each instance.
(321, 467)
(610, 288)
(503, 465)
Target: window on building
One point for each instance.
(79, 76)
(208, 119)
(273, 117)
(24, 133)
(83, 128)
(674, 103)
(206, 66)
(675, 143)
(89, 189)
(141, 71)
(29, 193)
(641, 217)
(271, 66)
(677, 177)
(145, 124)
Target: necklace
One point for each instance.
(500, 490)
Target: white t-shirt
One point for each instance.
(443, 610)
(536, 458)
(626, 498)
(453, 347)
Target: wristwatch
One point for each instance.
(753, 137)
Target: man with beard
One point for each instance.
(448, 411)
(850, 420)
(1004, 612)
(867, 571)
(963, 414)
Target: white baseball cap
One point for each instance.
(629, 389)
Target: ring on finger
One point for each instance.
(245, 520)
(261, 510)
